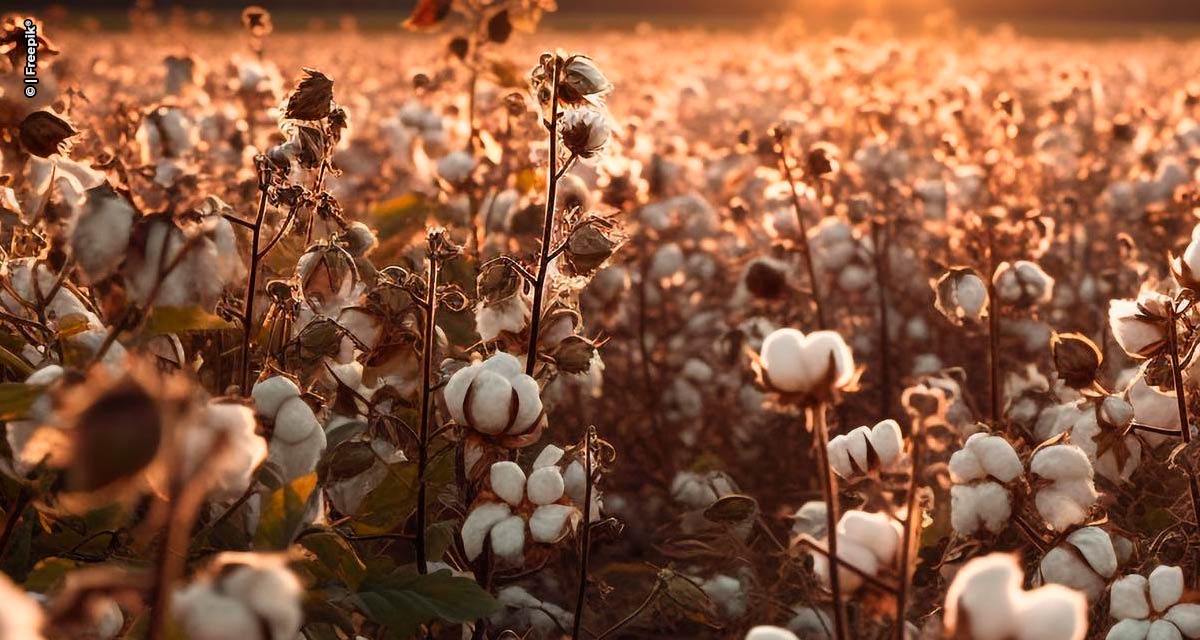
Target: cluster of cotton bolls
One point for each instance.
(1152, 607)
(242, 595)
(297, 438)
(867, 449)
(981, 472)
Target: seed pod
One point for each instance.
(592, 242)
(1076, 358)
(574, 354)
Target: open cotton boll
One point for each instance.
(297, 440)
(1022, 283)
(810, 520)
(1085, 562)
(511, 315)
(503, 400)
(1166, 587)
(867, 541)
(479, 524)
(243, 449)
(1140, 333)
(698, 491)
(851, 453)
(985, 455)
(100, 235)
(1052, 613)
(253, 594)
(270, 394)
(728, 593)
(796, 363)
(1068, 499)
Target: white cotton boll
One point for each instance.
(855, 278)
(1166, 587)
(511, 315)
(545, 485)
(295, 421)
(270, 394)
(21, 617)
(1097, 548)
(508, 481)
(479, 524)
(1152, 406)
(272, 593)
(986, 505)
(529, 403)
(508, 538)
(456, 167)
(965, 466)
(1129, 630)
(100, 235)
(548, 522)
(798, 363)
(1186, 616)
(728, 593)
(1064, 566)
(1059, 509)
(1127, 598)
(875, 531)
(984, 594)
(193, 608)
(848, 452)
(244, 449)
(853, 554)
(1051, 613)
(764, 632)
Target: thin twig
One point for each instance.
(535, 320)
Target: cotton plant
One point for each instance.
(517, 504)
(1152, 607)
(986, 601)
(982, 473)
(1064, 491)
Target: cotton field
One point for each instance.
(478, 325)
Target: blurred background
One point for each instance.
(1061, 17)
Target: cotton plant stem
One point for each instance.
(251, 285)
(1181, 403)
(993, 329)
(427, 349)
(816, 415)
(785, 166)
(13, 516)
(535, 320)
(879, 233)
(912, 524)
(585, 538)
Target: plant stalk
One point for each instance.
(585, 539)
(1181, 403)
(785, 166)
(251, 285)
(547, 225)
(816, 415)
(427, 349)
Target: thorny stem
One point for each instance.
(816, 416)
(585, 539)
(993, 329)
(1181, 402)
(912, 522)
(547, 225)
(251, 281)
(808, 260)
(426, 387)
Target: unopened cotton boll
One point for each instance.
(1069, 497)
(817, 364)
(864, 448)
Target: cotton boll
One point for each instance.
(986, 505)
(511, 315)
(1166, 587)
(1052, 613)
(243, 451)
(270, 394)
(798, 363)
(848, 453)
(1065, 566)
(1060, 509)
(545, 486)
(193, 609)
(875, 531)
(985, 455)
(853, 554)
(810, 520)
(1141, 335)
(101, 232)
(1061, 462)
(1129, 630)
(495, 386)
(984, 596)
(728, 593)
(1186, 616)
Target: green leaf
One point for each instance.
(183, 319)
(16, 398)
(48, 573)
(390, 504)
(334, 558)
(283, 513)
(405, 600)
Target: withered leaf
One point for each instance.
(43, 133)
(312, 98)
(428, 13)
